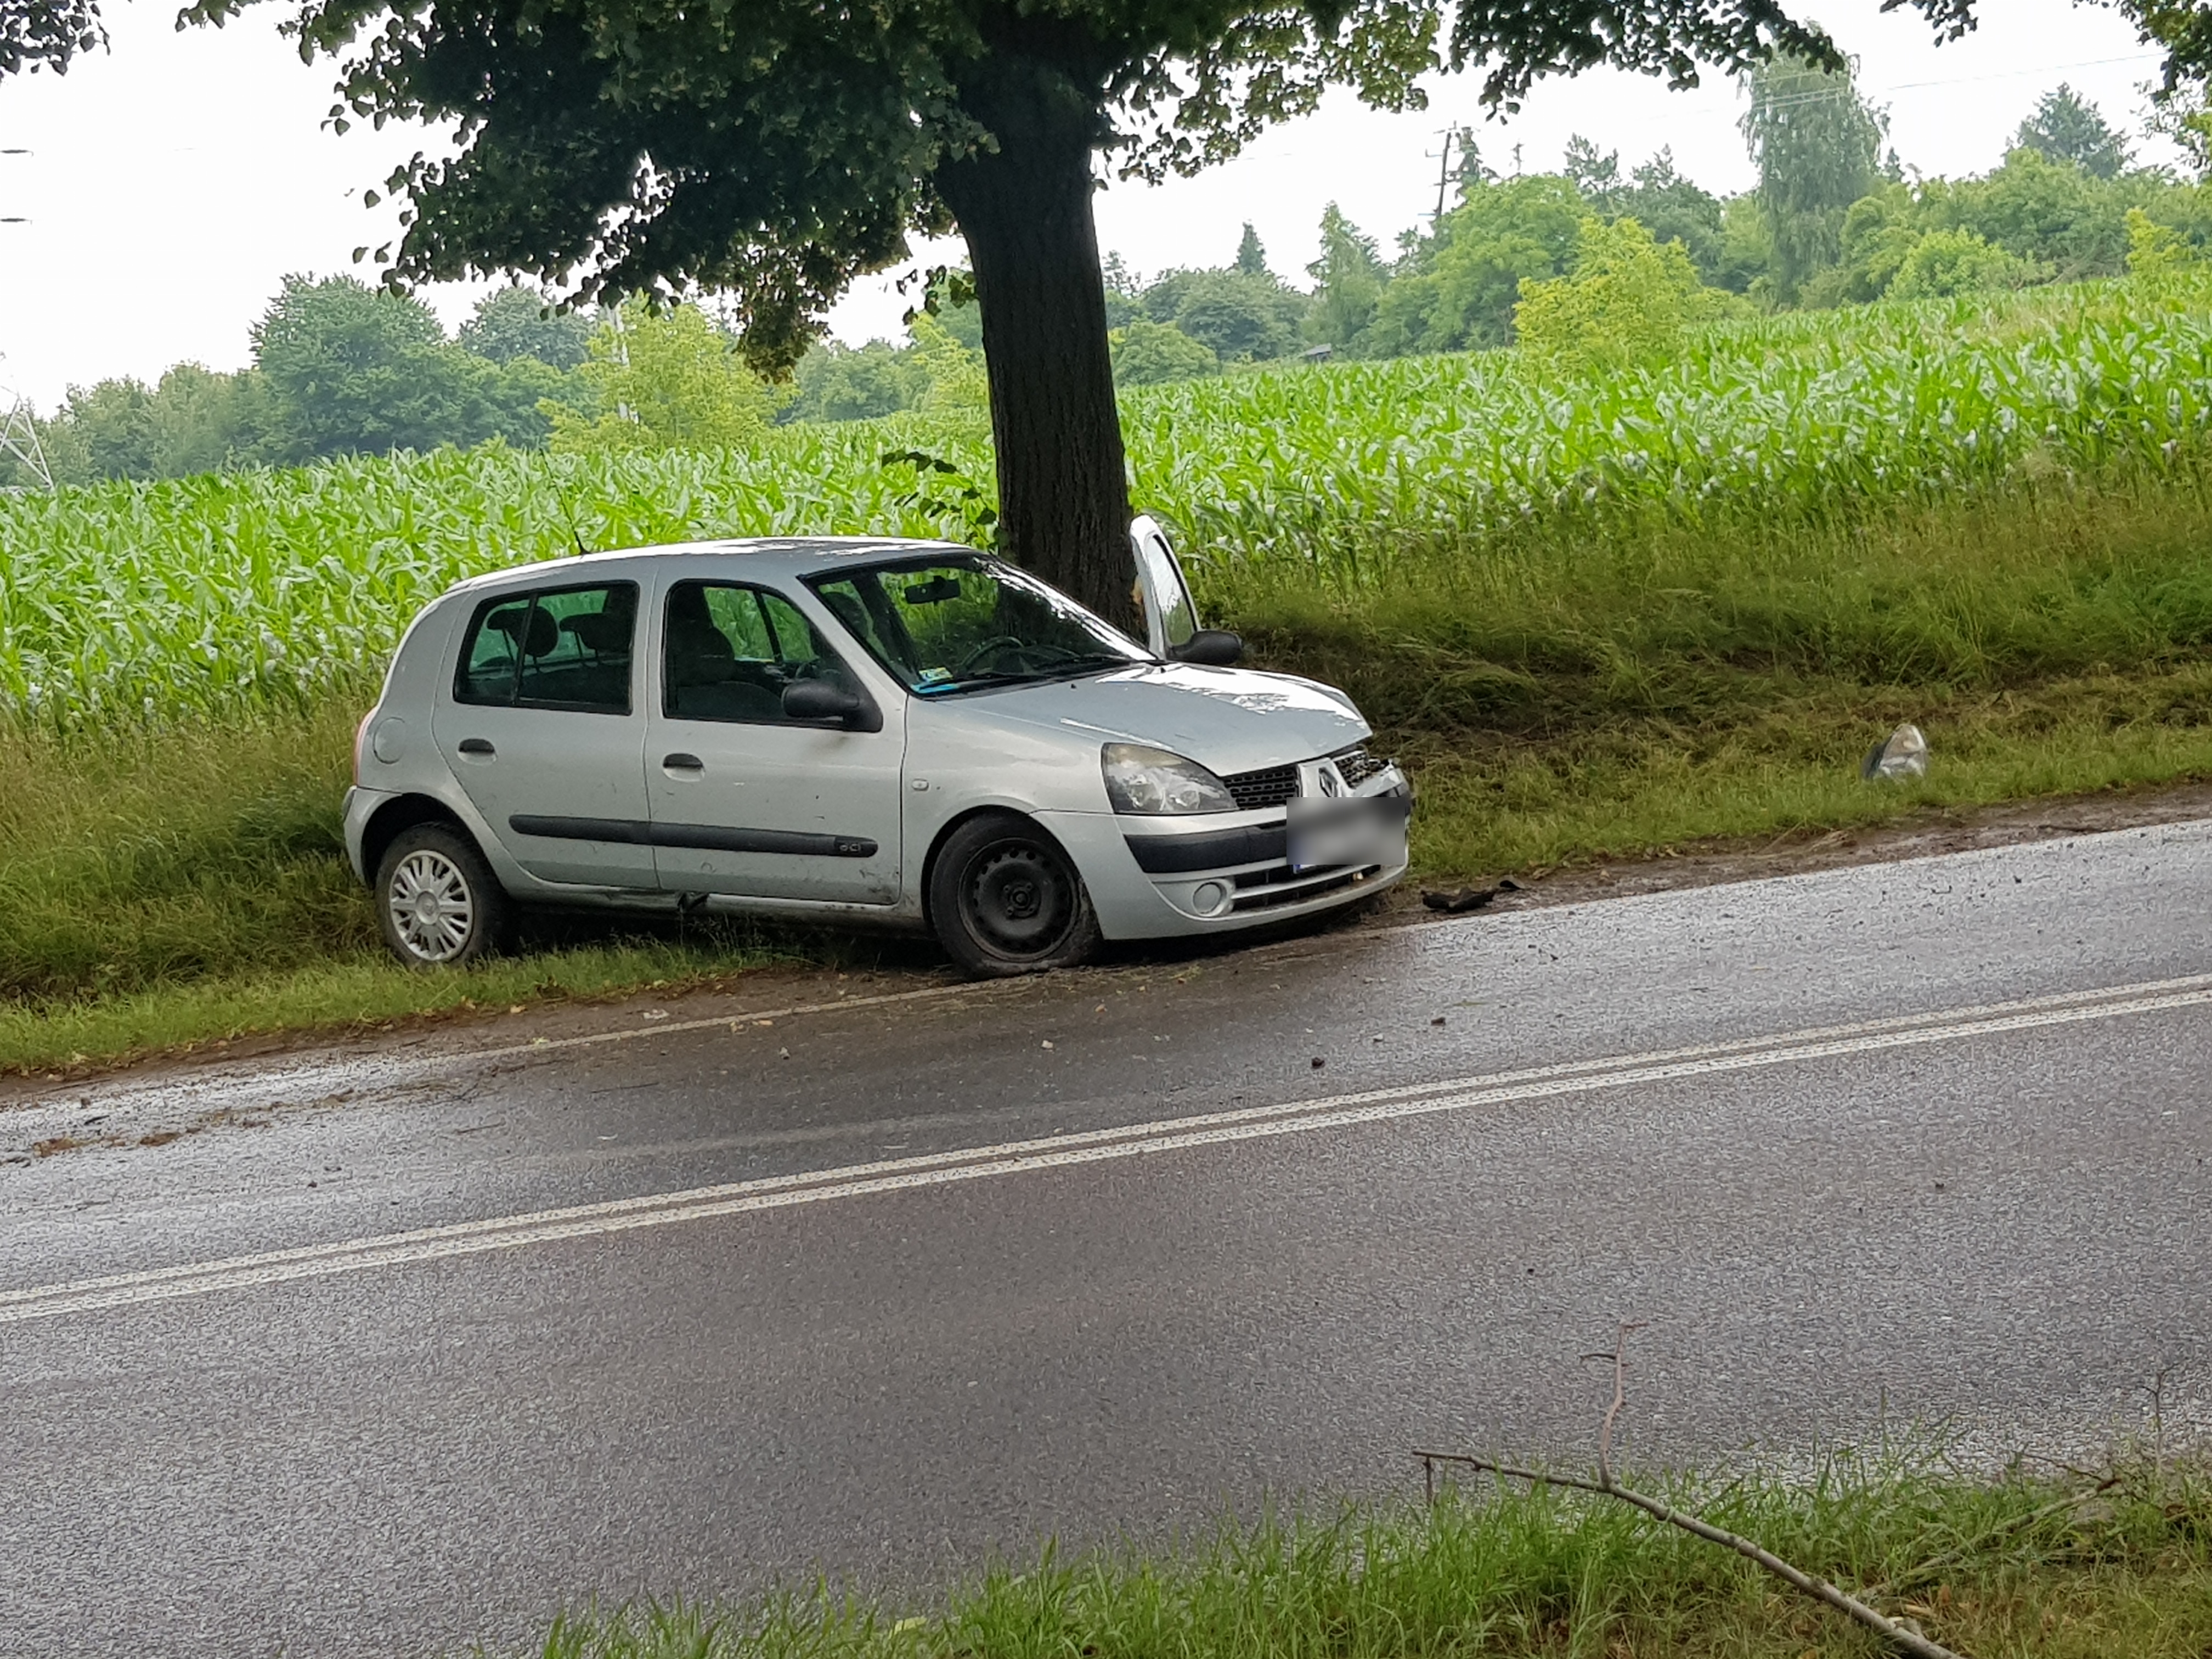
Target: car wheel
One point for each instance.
(1005, 899)
(437, 902)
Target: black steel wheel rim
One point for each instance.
(1017, 900)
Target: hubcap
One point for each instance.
(432, 908)
(1018, 901)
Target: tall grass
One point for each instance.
(2008, 1569)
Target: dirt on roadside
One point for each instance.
(1925, 835)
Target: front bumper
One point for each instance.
(1155, 877)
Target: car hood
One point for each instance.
(1228, 720)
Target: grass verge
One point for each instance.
(2016, 1568)
(1560, 697)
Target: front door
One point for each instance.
(1162, 594)
(540, 726)
(745, 800)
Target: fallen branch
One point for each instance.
(1906, 1637)
(1820, 1589)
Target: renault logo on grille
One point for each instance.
(1332, 781)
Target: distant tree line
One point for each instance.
(1582, 265)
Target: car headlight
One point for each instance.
(1154, 780)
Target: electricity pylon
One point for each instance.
(19, 437)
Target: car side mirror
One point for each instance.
(1216, 648)
(822, 700)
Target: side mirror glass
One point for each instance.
(821, 700)
(1216, 648)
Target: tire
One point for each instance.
(1005, 899)
(438, 904)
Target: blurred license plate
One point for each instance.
(1356, 830)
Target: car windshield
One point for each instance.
(950, 625)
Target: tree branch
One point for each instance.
(1907, 1640)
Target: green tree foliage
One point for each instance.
(2053, 219)
(1817, 146)
(1152, 354)
(2184, 116)
(514, 322)
(1456, 286)
(1747, 246)
(114, 423)
(193, 420)
(1596, 175)
(353, 370)
(956, 383)
(1676, 210)
(1627, 300)
(837, 382)
(1656, 195)
(1944, 262)
(204, 422)
(669, 380)
(1251, 258)
(2157, 250)
(2065, 127)
(1122, 289)
(1240, 318)
(1347, 279)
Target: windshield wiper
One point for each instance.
(1075, 670)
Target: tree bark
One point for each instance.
(1025, 211)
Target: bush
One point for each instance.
(1627, 300)
(1944, 264)
(1152, 354)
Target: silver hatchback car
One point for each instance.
(891, 732)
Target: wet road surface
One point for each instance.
(374, 1352)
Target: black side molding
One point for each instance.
(708, 837)
(714, 837)
(1217, 849)
(627, 831)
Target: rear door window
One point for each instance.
(567, 648)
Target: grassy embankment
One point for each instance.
(1600, 619)
(2010, 1571)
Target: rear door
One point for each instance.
(540, 724)
(745, 801)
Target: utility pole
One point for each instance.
(1443, 166)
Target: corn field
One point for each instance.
(126, 603)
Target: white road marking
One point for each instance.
(1065, 1151)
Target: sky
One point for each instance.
(174, 180)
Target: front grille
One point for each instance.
(1271, 785)
(1357, 766)
(1279, 886)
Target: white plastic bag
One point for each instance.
(1900, 756)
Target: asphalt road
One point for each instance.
(382, 1352)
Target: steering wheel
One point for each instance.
(996, 643)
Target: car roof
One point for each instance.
(765, 557)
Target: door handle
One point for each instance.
(476, 746)
(682, 763)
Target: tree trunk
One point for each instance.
(1025, 211)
